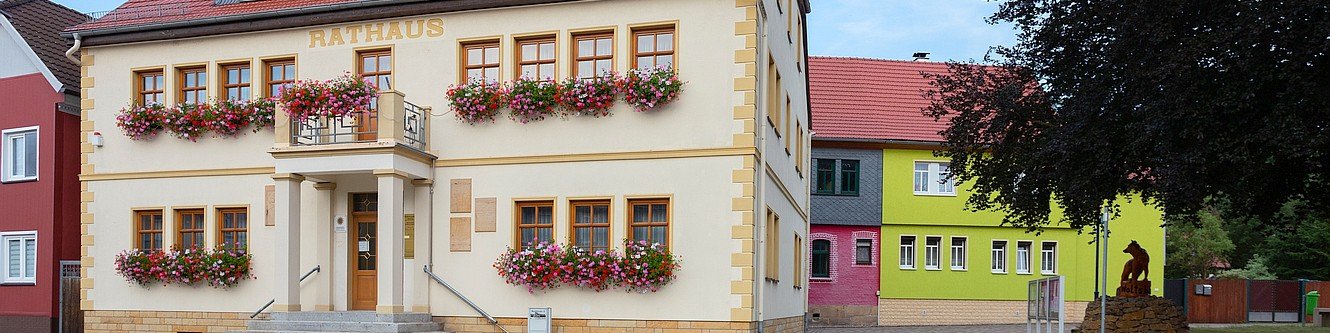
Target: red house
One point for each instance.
(39, 163)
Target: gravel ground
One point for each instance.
(927, 329)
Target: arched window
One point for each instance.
(821, 258)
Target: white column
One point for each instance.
(287, 217)
(392, 185)
(424, 205)
(323, 247)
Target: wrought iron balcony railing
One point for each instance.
(391, 119)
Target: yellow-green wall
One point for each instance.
(904, 213)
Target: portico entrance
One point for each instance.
(364, 251)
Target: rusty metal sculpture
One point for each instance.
(1135, 274)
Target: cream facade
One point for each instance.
(714, 157)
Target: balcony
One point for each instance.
(357, 141)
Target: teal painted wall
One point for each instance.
(904, 213)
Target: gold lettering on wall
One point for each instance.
(374, 32)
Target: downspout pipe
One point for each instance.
(78, 43)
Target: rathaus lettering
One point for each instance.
(372, 32)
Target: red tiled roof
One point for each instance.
(874, 99)
(40, 23)
(141, 12)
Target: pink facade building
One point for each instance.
(39, 164)
(843, 291)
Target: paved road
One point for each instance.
(928, 329)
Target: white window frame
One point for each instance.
(1048, 259)
(1028, 259)
(964, 253)
(994, 255)
(7, 155)
(935, 251)
(5, 237)
(929, 184)
(910, 248)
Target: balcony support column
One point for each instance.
(287, 217)
(391, 225)
(323, 246)
(424, 205)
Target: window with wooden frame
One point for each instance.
(149, 87)
(193, 83)
(649, 220)
(480, 61)
(653, 47)
(772, 241)
(535, 58)
(591, 224)
(236, 82)
(278, 74)
(189, 229)
(376, 67)
(774, 112)
(593, 54)
(148, 230)
(233, 228)
(535, 223)
(792, 122)
(798, 261)
(789, 24)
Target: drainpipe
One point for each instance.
(78, 42)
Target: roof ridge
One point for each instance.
(925, 62)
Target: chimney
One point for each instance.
(921, 56)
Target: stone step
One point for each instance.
(347, 326)
(351, 316)
(262, 331)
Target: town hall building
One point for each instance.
(400, 216)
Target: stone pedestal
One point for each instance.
(1136, 314)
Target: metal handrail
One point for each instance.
(436, 278)
(302, 279)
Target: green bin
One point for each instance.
(1312, 298)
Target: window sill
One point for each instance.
(1049, 273)
(837, 194)
(1024, 273)
(820, 279)
(934, 194)
(908, 268)
(19, 180)
(932, 268)
(862, 265)
(959, 269)
(998, 272)
(19, 283)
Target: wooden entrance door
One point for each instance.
(364, 250)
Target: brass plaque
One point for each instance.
(409, 235)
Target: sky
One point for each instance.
(890, 29)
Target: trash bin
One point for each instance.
(1312, 298)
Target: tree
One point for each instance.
(1299, 246)
(1174, 101)
(1193, 249)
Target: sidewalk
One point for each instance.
(928, 329)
